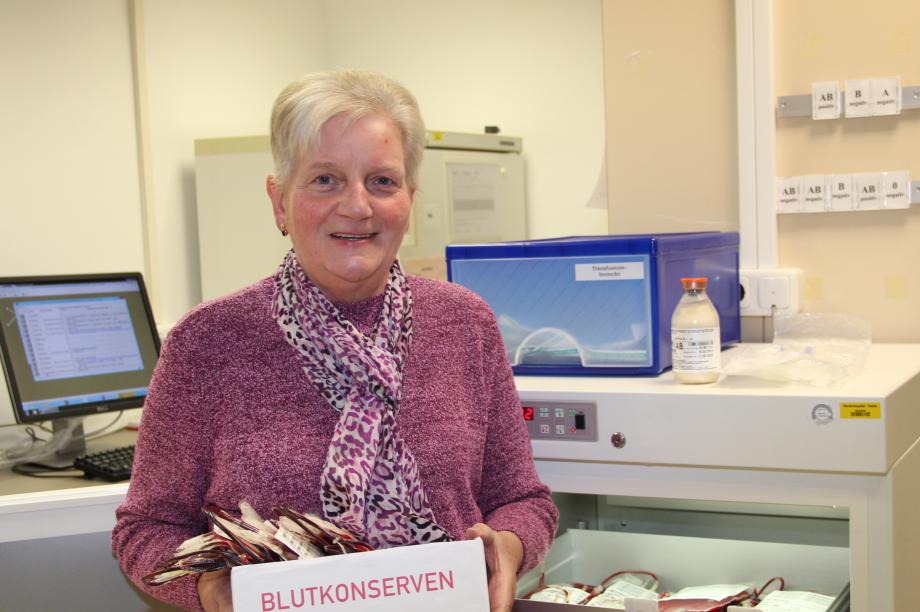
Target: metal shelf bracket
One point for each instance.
(800, 105)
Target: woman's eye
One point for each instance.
(384, 181)
(323, 179)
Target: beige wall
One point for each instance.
(863, 263)
(669, 68)
(671, 138)
(69, 200)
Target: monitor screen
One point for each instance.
(76, 345)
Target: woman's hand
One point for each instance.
(214, 591)
(504, 555)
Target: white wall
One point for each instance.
(69, 195)
(214, 68)
(532, 67)
(71, 198)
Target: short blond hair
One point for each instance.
(303, 108)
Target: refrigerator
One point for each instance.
(736, 481)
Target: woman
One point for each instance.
(256, 394)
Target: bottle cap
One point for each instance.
(695, 283)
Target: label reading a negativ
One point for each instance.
(608, 271)
(695, 349)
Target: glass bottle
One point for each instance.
(695, 335)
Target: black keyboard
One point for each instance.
(112, 465)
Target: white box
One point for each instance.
(814, 193)
(421, 578)
(825, 100)
(868, 187)
(858, 98)
(886, 96)
(840, 187)
(896, 188)
(789, 194)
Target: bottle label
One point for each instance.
(695, 349)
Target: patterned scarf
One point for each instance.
(370, 482)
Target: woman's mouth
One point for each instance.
(341, 236)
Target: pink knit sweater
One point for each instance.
(231, 416)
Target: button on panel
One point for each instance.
(561, 421)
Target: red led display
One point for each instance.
(528, 412)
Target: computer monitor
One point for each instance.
(76, 345)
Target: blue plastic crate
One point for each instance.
(597, 305)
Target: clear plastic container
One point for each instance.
(695, 335)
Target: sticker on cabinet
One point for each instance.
(860, 410)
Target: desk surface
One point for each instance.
(11, 483)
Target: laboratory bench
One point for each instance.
(55, 542)
(735, 481)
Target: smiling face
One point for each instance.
(346, 206)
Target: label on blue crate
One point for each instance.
(628, 270)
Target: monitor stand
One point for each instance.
(67, 438)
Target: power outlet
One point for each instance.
(769, 291)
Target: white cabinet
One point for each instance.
(471, 189)
(760, 443)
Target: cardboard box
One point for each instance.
(444, 576)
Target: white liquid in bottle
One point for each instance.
(695, 335)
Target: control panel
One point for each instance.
(564, 420)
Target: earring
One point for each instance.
(284, 231)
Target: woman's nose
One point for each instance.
(355, 201)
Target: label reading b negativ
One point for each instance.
(695, 349)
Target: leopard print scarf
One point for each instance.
(370, 482)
